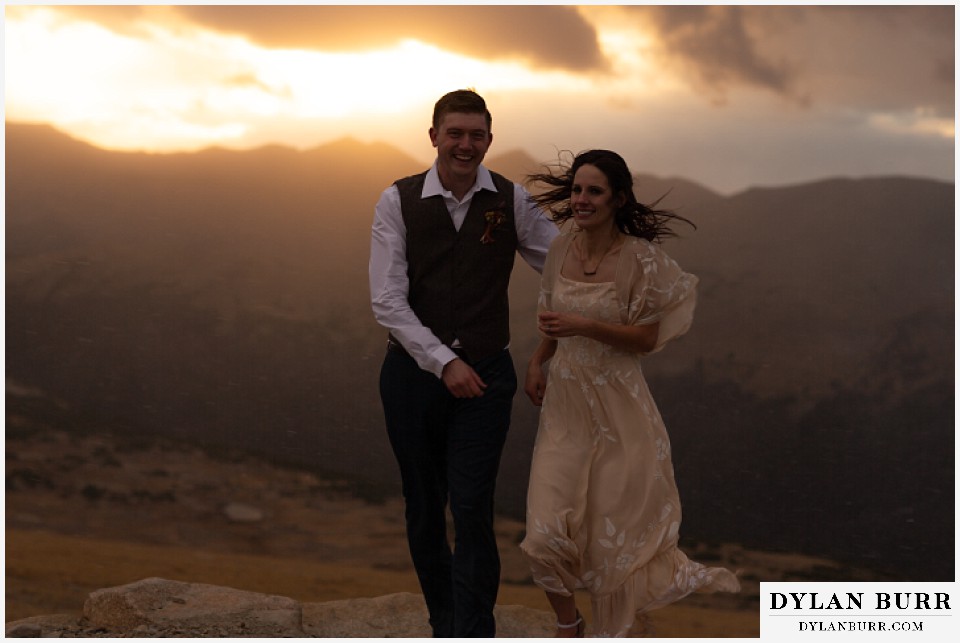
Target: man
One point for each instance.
(442, 250)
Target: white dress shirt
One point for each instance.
(389, 285)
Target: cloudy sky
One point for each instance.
(728, 95)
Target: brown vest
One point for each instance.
(458, 283)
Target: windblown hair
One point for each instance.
(464, 101)
(634, 218)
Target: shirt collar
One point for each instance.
(433, 187)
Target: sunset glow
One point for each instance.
(918, 121)
(666, 83)
(191, 88)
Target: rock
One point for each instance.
(404, 615)
(517, 621)
(159, 608)
(174, 608)
(41, 626)
(24, 631)
(239, 512)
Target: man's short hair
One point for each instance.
(464, 101)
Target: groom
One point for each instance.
(442, 249)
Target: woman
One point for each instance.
(603, 512)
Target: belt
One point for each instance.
(394, 346)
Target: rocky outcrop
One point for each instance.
(156, 607)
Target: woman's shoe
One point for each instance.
(578, 624)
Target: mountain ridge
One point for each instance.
(509, 160)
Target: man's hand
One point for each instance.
(461, 380)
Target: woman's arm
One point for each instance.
(636, 339)
(536, 381)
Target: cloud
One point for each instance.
(895, 58)
(945, 70)
(248, 80)
(878, 58)
(128, 20)
(548, 37)
(890, 58)
(713, 45)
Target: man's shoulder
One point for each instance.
(503, 185)
(499, 179)
(412, 179)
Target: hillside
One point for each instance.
(91, 511)
(220, 298)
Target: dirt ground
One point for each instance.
(94, 511)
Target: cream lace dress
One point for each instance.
(603, 511)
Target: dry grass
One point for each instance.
(88, 512)
(53, 574)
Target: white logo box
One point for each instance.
(858, 611)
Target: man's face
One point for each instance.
(462, 141)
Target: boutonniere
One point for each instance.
(494, 218)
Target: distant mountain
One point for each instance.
(222, 297)
(801, 285)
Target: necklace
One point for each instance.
(580, 253)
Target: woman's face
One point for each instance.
(593, 202)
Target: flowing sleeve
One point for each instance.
(653, 288)
(551, 268)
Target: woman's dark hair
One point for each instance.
(633, 218)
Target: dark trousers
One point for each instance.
(449, 450)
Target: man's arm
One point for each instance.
(389, 287)
(535, 230)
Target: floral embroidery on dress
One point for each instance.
(611, 531)
(663, 449)
(602, 446)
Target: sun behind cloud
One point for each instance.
(850, 90)
(174, 87)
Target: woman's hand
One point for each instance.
(554, 325)
(636, 339)
(535, 384)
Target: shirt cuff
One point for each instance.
(440, 358)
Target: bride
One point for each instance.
(603, 511)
